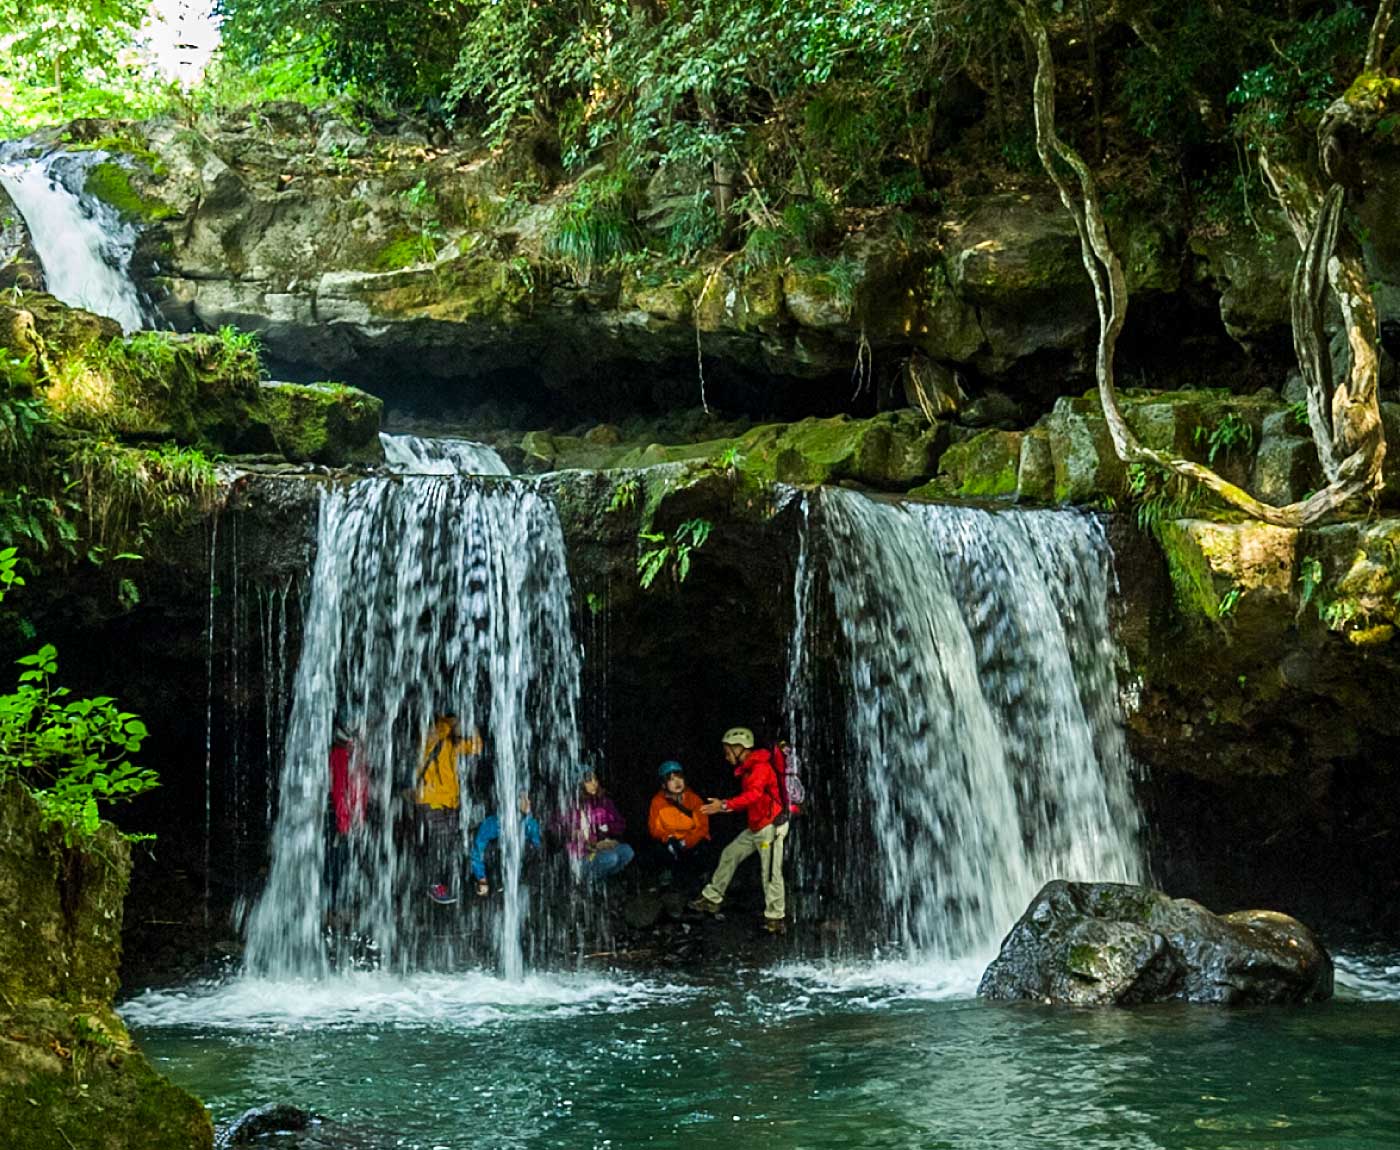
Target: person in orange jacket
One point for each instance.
(681, 829)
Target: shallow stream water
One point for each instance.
(801, 1056)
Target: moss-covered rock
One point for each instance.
(322, 422)
(60, 909)
(111, 183)
(69, 1076)
(70, 1079)
(985, 466)
(891, 452)
(1243, 573)
(196, 390)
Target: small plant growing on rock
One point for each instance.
(671, 554)
(70, 754)
(624, 495)
(1225, 436)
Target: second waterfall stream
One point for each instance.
(974, 748)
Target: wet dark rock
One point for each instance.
(19, 262)
(1102, 944)
(253, 1125)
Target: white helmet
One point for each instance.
(738, 737)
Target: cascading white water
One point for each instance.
(982, 735)
(83, 244)
(412, 455)
(428, 597)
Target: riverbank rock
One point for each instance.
(1112, 944)
(70, 1078)
(19, 262)
(196, 390)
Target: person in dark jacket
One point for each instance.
(761, 801)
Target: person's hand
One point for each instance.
(483, 888)
(713, 807)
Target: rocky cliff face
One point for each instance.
(70, 1078)
(381, 256)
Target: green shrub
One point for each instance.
(70, 754)
(595, 225)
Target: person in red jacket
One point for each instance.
(760, 799)
(349, 804)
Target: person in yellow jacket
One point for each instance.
(437, 795)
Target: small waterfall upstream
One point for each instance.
(83, 244)
(429, 596)
(982, 748)
(412, 455)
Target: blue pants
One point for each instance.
(607, 863)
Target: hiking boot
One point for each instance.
(775, 925)
(441, 895)
(704, 905)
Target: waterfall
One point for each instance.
(83, 244)
(428, 597)
(411, 455)
(983, 752)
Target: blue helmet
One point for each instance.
(668, 768)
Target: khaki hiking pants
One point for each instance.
(769, 844)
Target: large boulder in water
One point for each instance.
(1100, 944)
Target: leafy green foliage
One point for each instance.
(595, 226)
(1232, 431)
(624, 495)
(1300, 75)
(1228, 602)
(1160, 495)
(1309, 578)
(71, 754)
(671, 554)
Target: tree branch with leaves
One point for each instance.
(1345, 414)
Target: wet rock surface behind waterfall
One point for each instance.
(1111, 944)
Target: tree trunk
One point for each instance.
(1351, 443)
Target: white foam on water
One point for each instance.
(879, 982)
(430, 1001)
(1373, 977)
(414, 455)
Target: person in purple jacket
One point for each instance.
(593, 827)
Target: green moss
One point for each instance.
(984, 466)
(405, 249)
(1372, 88)
(71, 1080)
(1193, 584)
(110, 182)
(322, 423)
(130, 146)
(1082, 959)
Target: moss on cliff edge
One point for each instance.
(111, 183)
(69, 1076)
(70, 1079)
